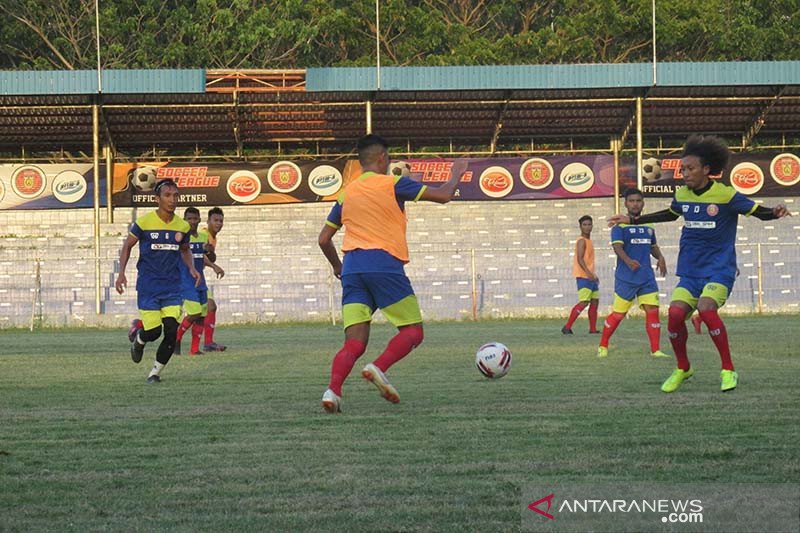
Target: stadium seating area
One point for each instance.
(492, 259)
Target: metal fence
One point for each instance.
(451, 283)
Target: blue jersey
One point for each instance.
(637, 241)
(360, 261)
(197, 247)
(159, 252)
(708, 239)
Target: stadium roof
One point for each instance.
(325, 110)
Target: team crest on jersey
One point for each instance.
(178, 237)
(712, 210)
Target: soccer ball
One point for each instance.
(493, 360)
(144, 178)
(651, 169)
(400, 168)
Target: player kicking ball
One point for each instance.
(634, 277)
(372, 208)
(163, 241)
(707, 255)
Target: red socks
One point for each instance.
(719, 335)
(593, 316)
(197, 330)
(408, 338)
(185, 325)
(676, 326)
(343, 363)
(610, 326)
(653, 325)
(573, 315)
(210, 322)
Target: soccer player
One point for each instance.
(587, 281)
(372, 207)
(707, 255)
(163, 243)
(214, 223)
(195, 297)
(634, 277)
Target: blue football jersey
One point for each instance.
(197, 247)
(637, 241)
(708, 239)
(159, 252)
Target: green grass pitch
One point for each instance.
(238, 440)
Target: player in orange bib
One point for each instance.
(372, 208)
(585, 277)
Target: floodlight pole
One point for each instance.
(96, 161)
(378, 43)
(655, 79)
(97, 44)
(639, 142)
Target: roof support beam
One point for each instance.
(237, 124)
(498, 126)
(758, 121)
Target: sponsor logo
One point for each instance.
(163, 246)
(28, 182)
(154, 235)
(536, 173)
(69, 186)
(325, 180)
(641, 241)
(712, 210)
(700, 224)
(785, 169)
(243, 186)
(284, 176)
(188, 177)
(437, 171)
(747, 178)
(577, 178)
(496, 182)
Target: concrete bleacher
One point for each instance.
(502, 259)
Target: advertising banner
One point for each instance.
(49, 186)
(205, 184)
(59, 186)
(753, 174)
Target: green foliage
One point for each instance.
(47, 34)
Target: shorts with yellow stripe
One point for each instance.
(364, 293)
(625, 293)
(153, 308)
(690, 290)
(587, 289)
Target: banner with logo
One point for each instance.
(752, 174)
(287, 181)
(49, 186)
(220, 184)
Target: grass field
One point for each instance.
(238, 441)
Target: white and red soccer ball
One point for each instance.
(493, 360)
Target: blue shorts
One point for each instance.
(689, 289)
(629, 291)
(193, 294)
(587, 289)
(156, 300)
(363, 293)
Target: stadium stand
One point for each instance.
(275, 272)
